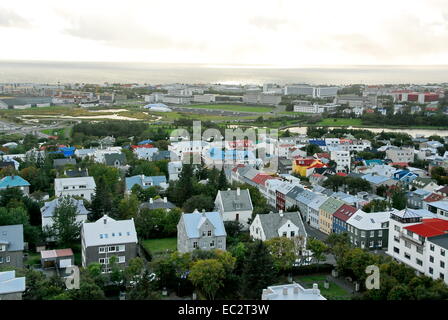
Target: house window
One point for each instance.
(380, 243)
(237, 217)
(209, 233)
(431, 259)
(371, 244)
(442, 252)
(372, 233)
(442, 264)
(1, 259)
(121, 259)
(121, 248)
(284, 234)
(102, 249)
(380, 233)
(293, 233)
(397, 228)
(396, 250)
(396, 239)
(431, 247)
(203, 233)
(431, 271)
(112, 249)
(2, 248)
(419, 249)
(407, 255)
(195, 244)
(407, 244)
(419, 262)
(442, 276)
(102, 260)
(212, 243)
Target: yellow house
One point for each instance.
(305, 166)
(326, 211)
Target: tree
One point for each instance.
(312, 149)
(399, 199)
(222, 180)
(199, 202)
(65, 227)
(318, 248)
(258, 270)
(376, 205)
(144, 288)
(283, 252)
(128, 207)
(101, 201)
(208, 276)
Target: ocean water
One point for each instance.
(151, 73)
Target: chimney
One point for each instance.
(105, 220)
(316, 288)
(151, 200)
(165, 199)
(238, 191)
(285, 291)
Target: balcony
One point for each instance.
(407, 237)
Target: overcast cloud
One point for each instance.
(279, 33)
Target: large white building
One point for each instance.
(292, 291)
(342, 159)
(420, 240)
(315, 92)
(78, 187)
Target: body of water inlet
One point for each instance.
(151, 73)
(413, 132)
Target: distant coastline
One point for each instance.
(154, 73)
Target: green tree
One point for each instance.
(258, 270)
(208, 276)
(283, 252)
(222, 180)
(199, 202)
(66, 228)
(318, 248)
(101, 201)
(128, 207)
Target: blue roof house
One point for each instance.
(15, 182)
(146, 182)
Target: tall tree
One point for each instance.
(222, 180)
(101, 201)
(258, 271)
(65, 227)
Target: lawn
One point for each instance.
(334, 292)
(232, 107)
(32, 259)
(54, 132)
(160, 245)
(333, 122)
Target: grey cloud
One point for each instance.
(11, 19)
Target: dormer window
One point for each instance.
(209, 233)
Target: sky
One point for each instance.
(280, 33)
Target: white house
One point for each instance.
(80, 187)
(342, 159)
(274, 225)
(174, 170)
(235, 205)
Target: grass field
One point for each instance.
(54, 132)
(231, 107)
(160, 245)
(333, 122)
(334, 292)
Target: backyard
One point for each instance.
(155, 246)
